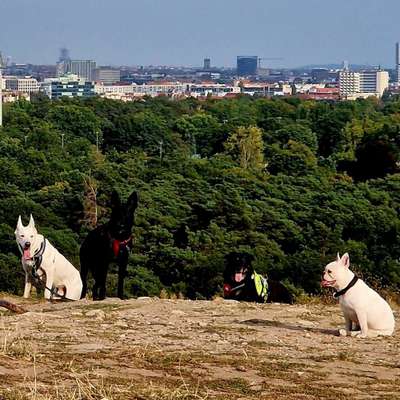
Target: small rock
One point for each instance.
(177, 312)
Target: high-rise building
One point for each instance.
(374, 81)
(398, 63)
(85, 69)
(207, 64)
(247, 65)
(108, 75)
(69, 85)
(349, 83)
(363, 84)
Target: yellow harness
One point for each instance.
(261, 285)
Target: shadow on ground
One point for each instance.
(284, 325)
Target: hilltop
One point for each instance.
(150, 348)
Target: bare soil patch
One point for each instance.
(179, 349)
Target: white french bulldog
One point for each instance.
(365, 312)
(39, 257)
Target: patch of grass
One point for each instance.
(16, 347)
(266, 345)
(236, 386)
(341, 356)
(280, 369)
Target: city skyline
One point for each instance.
(184, 32)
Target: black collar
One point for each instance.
(339, 293)
(38, 256)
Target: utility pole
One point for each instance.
(62, 140)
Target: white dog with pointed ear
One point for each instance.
(42, 261)
(365, 312)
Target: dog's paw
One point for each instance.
(361, 335)
(342, 332)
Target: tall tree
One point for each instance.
(247, 146)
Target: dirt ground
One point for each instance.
(149, 348)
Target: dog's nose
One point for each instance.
(27, 244)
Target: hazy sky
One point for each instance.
(183, 32)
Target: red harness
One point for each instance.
(117, 244)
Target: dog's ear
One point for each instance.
(115, 200)
(19, 223)
(338, 257)
(132, 202)
(345, 260)
(31, 222)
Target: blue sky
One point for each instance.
(183, 32)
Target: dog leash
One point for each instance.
(237, 287)
(37, 260)
(53, 291)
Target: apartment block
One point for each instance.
(363, 84)
(349, 83)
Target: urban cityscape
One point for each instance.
(199, 200)
(252, 76)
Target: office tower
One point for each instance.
(108, 75)
(398, 62)
(207, 64)
(85, 69)
(69, 85)
(247, 65)
(374, 81)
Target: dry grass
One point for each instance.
(173, 349)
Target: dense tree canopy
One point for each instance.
(291, 182)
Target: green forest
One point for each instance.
(292, 182)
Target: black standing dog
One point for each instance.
(106, 243)
(241, 282)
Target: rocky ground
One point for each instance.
(181, 349)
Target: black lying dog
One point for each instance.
(106, 243)
(241, 282)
